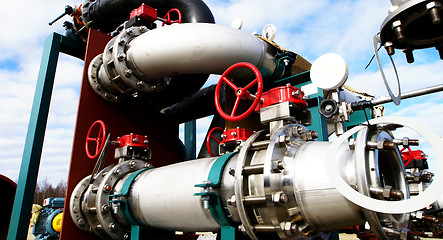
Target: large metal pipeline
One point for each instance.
(107, 15)
(283, 186)
(196, 48)
(141, 62)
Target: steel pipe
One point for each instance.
(168, 64)
(195, 48)
(411, 94)
(293, 195)
(107, 15)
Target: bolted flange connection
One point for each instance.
(387, 193)
(280, 197)
(278, 166)
(391, 145)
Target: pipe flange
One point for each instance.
(275, 170)
(97, 82)
(113, 227)
(75, 204)
(86, 18)
(405, 25)
(369, 173)
(432, 193)
(240, 182)
(113, 76)
(89, 209)
(125, 72)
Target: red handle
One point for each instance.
(99, 140)
(240, 92)
(168, 17)
(211, 136)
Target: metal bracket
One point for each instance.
(124, 193)
(213, 198)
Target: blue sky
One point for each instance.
(308, 27)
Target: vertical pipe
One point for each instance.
(190, 139)
(21, 212)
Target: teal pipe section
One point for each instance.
(21, 212)
(124, 193)
(215, 203)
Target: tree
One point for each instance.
(44, 189)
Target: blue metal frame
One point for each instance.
(27, 180)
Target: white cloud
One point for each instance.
(412, 77)
(22, 49)
(308, 27)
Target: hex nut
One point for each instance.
(432, 5)
(280, 197)
(113, 227)
(396, 24)
(232, 201)
(278, 166)
(81, 222)
(106, 208)
(351, 143)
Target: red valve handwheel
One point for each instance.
(99, 140)
(168, 17)
(240, 93)
(409, 156)
(209, 137)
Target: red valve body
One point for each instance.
(236, 134)
(133, 140)
(413, 155)
(282, 94)
(145, 12)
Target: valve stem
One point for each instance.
(68, 10)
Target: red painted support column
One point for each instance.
(135, 116)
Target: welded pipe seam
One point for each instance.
(434, 191)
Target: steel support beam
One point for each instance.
(21, 213)
(24, 197)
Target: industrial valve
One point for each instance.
(410, 155)
(241, 93)
(261, 101)
(231, 139)
(99, 140)
(94, 191)
(167, 17)
(279, 184)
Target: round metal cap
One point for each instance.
(329, 71)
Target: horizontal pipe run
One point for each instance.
(411, 94)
